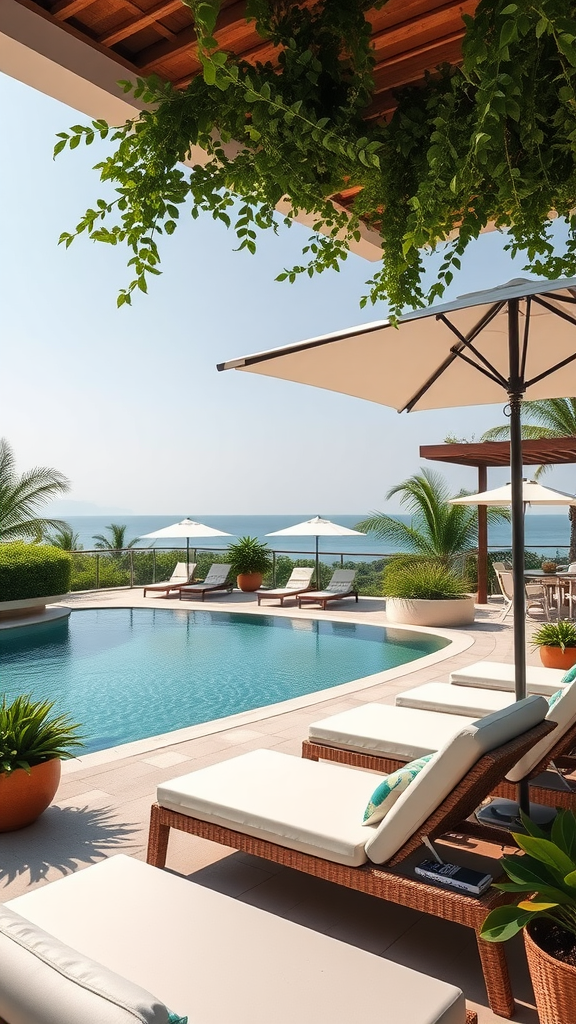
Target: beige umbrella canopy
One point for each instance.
(185, 529)
(533, 493)
(501, 344)
(317, 527)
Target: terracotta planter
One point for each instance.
(249, 581)
(554, 984)
(24, 796)
(555, 657)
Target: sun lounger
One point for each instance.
(499, 676)
(298, 583)
(383, 738)
(182, 575)
(308, 815)
(216, 579)
(341, 585)
(204, 954)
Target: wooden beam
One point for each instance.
(151, 17)
(68, 8)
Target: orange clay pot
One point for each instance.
(249, 581)
(24, 796)
(555, 657)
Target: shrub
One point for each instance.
(30, 734)
(555, 634)
(248, 555)
(422, 579)
(33, 570)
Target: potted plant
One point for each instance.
(547, 875)
(33, 742)
(426, 592)
(557, 643)
(249, 560)
(549, 566)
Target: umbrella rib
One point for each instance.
(550, 370)
(481, 369)
(552, 309)
(525, 339)
(482, 323)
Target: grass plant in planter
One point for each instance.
(426, 592)
(557, 643)
(250, 561)
(33, 742)
(546, 874)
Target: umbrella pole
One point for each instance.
(318, 583)
(188, 556)
(516, 389)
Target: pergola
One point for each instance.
(550, 451)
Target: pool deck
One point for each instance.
(103, 806)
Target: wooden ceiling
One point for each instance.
(157, 37)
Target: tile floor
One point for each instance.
(104, 800)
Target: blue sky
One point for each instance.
(128, 403)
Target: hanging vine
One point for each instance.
(491, 141)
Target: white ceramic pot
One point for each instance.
(457, 611)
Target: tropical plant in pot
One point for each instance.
(426, 592)
(556, 642)
(250, 560)
(33, 743)
(547, 875)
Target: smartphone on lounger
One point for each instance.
(455, 877)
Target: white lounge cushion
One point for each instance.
(455, 700)
(563, 712)
(222, 961)
(44, 980)
(398, 732)
(444, 771)
(304, 805)
(499, 676)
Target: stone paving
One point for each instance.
(103, 805)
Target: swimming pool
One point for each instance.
(127, 674)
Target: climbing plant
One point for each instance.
(491, 141)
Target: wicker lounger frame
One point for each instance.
(539, 792)
(323, 601)
(383, 881)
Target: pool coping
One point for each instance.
(459, 642)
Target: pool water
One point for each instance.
(127, 674)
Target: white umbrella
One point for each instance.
(533, 493)
(316, 527)
(187, 528)
(506, 341)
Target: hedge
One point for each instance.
(33, 570)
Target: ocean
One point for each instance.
(544, 533)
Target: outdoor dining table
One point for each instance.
(562, 584)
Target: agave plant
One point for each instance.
(555, 634)
(30, 734)
(428, 579)
(546, 872)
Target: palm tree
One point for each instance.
(22, 496)
(552, 417)
(116, 541)
(437, 528)
(65, 538)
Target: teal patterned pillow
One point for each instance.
(174, 1018)
(555, 697)
(387, 792)
(570, 675)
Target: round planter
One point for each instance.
(554, 984)
(26, 606)
(249, 581)
(453, 612)
(24, 796)
(555, 657)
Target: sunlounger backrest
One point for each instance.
(341, 581)
(563, 712)
(181, 574)
(299, 577)
(449, 766)
(217, 573)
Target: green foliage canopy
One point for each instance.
(22, 496)
(492, 141)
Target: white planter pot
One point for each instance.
(26, 606)
(452, 612)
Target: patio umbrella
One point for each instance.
(507, 341)
(187, 528)
(316, 527)
(533, 493)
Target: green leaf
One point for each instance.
(503, 923)
(546, 852)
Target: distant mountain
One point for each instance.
(68, 507)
